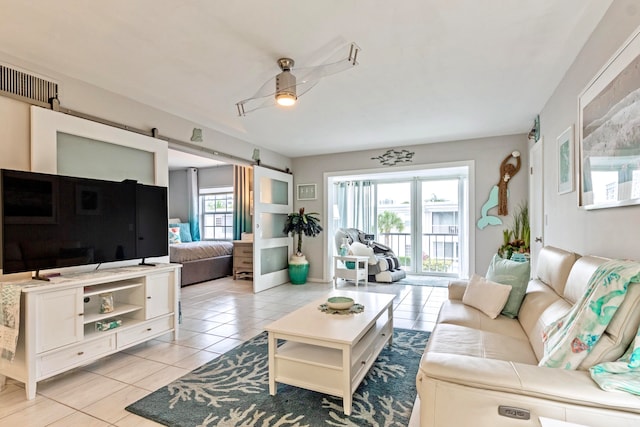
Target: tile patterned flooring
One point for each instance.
(216, 316)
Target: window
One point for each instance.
(444, 222)
(217, 214)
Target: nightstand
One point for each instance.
(360, 270)
(242, 259)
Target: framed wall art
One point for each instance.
(565, 161)
(609, 132)
(306, 191)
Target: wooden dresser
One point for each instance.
(242, 259)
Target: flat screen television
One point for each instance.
(54, 221)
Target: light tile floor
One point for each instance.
(216, 316)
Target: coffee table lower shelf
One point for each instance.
(325, 366)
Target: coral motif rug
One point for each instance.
(233, 390)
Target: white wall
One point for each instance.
(607, 232)
(487, 153)
(86, 98)
(14, 134)
(220, 176)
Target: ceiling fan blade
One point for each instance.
(306, 77)
(320, 71)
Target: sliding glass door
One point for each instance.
(422, 215)
(419, 219)
(441, 225)
(394, 219)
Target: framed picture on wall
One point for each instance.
(565, 161)
(609, 132)
(307, 192)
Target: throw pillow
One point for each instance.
(174, 235)
(513, 273)
(358, 249)
(487, 296)
(185, 231)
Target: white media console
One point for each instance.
(58, 318)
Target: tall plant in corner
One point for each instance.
(301, 223)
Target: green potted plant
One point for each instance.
(517, 240)
(300, 223)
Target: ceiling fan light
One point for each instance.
(285, 99)
(286, 89)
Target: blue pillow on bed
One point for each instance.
(185, 231)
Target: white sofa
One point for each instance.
(473, 365)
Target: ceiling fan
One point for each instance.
(285, 88)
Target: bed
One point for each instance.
(203, 260)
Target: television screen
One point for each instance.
(53, 221)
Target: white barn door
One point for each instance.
(272, 202)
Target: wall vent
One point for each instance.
(26, 87)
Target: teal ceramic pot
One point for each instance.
(298, 273)
(298, 270)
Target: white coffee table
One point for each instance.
(329, 353)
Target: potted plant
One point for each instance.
(300, 223)
(517, 240)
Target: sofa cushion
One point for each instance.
(579, 277)
(485, 295)
(465, 341)
(455, 312)
(553, 266)
(623, 326)
(514, 274)
(541, 307)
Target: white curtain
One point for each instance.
(355, 200)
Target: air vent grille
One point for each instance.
(26, 86)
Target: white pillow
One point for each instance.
(487, 296)
(358, 249)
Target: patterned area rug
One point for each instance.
(233, 390)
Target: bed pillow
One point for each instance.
(487, 296)
(358, 249)
(174, 235)
(513, 273)
(185, 231)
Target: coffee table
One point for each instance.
(329, 353)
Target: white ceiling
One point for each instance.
(430, 70)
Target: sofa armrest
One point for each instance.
(457, 288)
(560, 385)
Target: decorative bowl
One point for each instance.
(340, 303)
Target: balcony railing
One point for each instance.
(440, 251)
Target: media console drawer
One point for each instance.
(144, 331)
(71, 356)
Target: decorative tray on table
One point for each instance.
(341, 305)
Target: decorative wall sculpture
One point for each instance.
(393, 157)
(499, 192)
